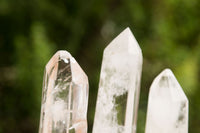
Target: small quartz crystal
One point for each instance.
(167, 106)
(65, 96)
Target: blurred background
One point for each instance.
(32, 31)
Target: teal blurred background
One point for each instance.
(31, 31)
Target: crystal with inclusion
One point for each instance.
(167, 106)
(118, 94)
(65, 96)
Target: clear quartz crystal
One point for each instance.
(167, 106)
(118, 94)
(65, 96)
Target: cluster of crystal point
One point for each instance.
(118, 94)
(167, 106)
(65, 96)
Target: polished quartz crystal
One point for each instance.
(167, 106)
(118, 94)
(65, 96)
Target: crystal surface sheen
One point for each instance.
(118, 94)
(167, 106)
(65, 96)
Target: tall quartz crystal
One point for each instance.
(65, 96)
(118, 94)
(167, 106)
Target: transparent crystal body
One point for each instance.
(167, 106)
(65, 96)
(118, 94)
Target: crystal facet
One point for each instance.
(167, 106)
(118, 95)
(65, 96)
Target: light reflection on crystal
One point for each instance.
(65, 96)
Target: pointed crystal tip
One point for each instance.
(66, 58)
(166, 80)
(167, 71)
(125, 41)
(127, 30)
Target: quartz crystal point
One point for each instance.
(167, 106)
(118, 94)
(65, 96)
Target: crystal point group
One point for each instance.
(65, 94)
